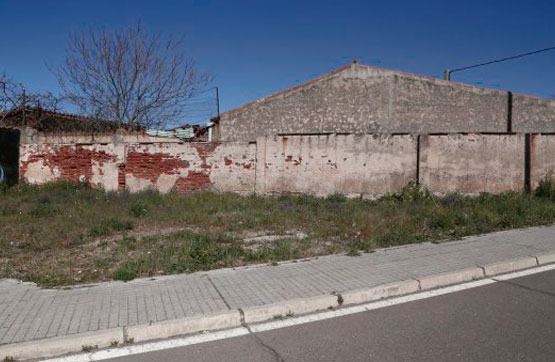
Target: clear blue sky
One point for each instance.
(254, 48)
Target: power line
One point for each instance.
(449, 72)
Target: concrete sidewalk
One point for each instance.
(28, 313)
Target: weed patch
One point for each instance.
(61, 234)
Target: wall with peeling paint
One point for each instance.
(97, 164)
(355, 165)
(364, 166)
(472, 163)
(183, 167)
(190, 167)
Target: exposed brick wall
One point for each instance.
(134, 167)
(96, 164)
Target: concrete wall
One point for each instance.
(364, 165)
(360, 99)
(134, 166)
(542, 158)
(533, 115)
(472, 164)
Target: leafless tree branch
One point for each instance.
(130, 76)
(15, 95)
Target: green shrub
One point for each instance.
(138, 210)
(413, 192)
(124, 273)
(546, 187)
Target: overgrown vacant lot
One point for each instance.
(62, 234)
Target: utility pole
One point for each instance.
(218, 101)
(446, 74)
(23, 106)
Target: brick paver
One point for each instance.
(30, 313)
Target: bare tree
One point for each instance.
(129, 76)
(14, 95)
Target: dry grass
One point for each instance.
(62, 234)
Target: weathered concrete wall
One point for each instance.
(360, 99)
(533, 115)
(365, 165)
(542, 158)
(163, 166)
(472, 164)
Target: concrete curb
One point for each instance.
(364, 295)
(289, 308)
(172, 328)
(449, 278)
(546, 258)
(57, 346)
(509, 266)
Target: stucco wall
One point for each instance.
(364, 165)
(362, 99)
(542, 158)
(472, 163)
(533, 115)
(134, 166)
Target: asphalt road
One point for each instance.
(506, 321)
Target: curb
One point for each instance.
(509, 266)
(172, 328)
(102, 339)
(57, 346)
(364, 295)
(449, 278)
(545, 258)
(289, 308)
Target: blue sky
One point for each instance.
(254, 48)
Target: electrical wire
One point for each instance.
(503, 59)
